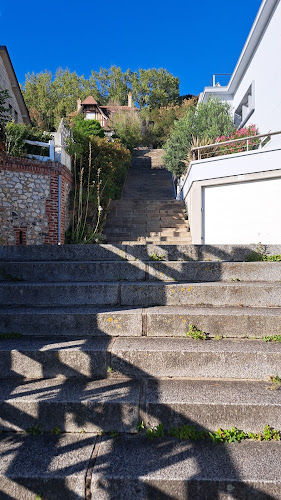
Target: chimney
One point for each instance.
(130, 100)
(79, 105)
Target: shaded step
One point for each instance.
(167, 469)
(71, 321)
(35, 358)
(43, 465)
(72, 271)
(72, 405)
(120, 252)
(138, 358)
(120, 404)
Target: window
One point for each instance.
(245, 108)
(16, 117)
(11, 111)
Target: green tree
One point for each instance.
(153, 88)
(206, 121)
(88, 127)
(113, 85)
(128, 128)
(160, 121)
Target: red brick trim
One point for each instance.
(20, 235)
(53, 170)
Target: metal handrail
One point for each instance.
(249, 137)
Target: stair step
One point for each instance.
(139, 271)
(72, 405)
(120, 404)
(137, 358)
(169, 469)
(187, 469)
(41, 466)
(106, 252)
(170, 321)
(71, 321)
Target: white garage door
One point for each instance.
(246, 212)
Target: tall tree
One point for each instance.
(153, 88)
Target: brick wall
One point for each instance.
(29, 201)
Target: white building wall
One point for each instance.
(6, 84)
(265, 70)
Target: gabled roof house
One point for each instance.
(8, 80)
(91, 110)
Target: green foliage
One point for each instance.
(140, 426)
(154, 88)
(237, 147)
(156, 257)
(17, 133)
(50, 97)
(275, 382)
(187, 432)
(88, 127)
(128, 128)
(56, 431)
(157, 432)
(259, 256)
(272, 338)
(196, 334)
(206, 121)
(160, 121)
(35, 430)
(227, 435)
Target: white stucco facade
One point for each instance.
(236, 198)
(254, 88)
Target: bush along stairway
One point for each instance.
(147, 211)
(139, 372)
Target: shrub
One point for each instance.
(206, 121)
(238, 147)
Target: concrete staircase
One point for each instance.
(96, 343)
(148, 211)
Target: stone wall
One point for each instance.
(29, 201)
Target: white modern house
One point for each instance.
(236, 198)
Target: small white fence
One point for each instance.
(56, 153)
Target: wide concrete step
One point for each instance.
(71, 321)
(135, 468)
(53, 467)
(122, 469)
(73, 405)
(35, 358)
(142, 294)
(107, 252)
(170, 321)
(232, 272)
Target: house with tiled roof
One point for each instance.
(91, 110)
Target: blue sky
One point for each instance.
(191, 39)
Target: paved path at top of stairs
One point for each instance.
(148, 211)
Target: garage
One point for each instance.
(242, 212)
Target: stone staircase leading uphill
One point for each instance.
(147, 211)
(95, 343)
